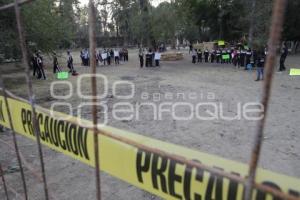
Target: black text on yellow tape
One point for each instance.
(162, 176)
(166, 174)
(64, 135)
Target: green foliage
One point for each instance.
(53, 24)
(292, 21)
(261, 26)
(48, 25)
(8, 34)
(44, 26)
(164, 22)
(215, 19)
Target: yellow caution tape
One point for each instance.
(161, 176)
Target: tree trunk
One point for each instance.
(295, 45)
(174, 41)
(251, 28)
(146, 23)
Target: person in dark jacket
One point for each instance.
(191, 48)
(260, 66)
(55, 64)
(206, 55)
(283, 56)
(229, 52)
(141, 56)
(149, 58)
(242, 58)
(40, 64)
(212, 56)
(82, 57)
(34, 63)
(223, 53)
(218, 55)
(234, 57)
(199, 54)
(70, 64)
(248, 57)
(108, 57)
(125, 52)
(238, 57)
(254, 56)
(194, 56)
(86, 57)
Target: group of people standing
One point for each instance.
(70, 64)
(149, 58)
(37, 63)
(105, 56)
(239, 57)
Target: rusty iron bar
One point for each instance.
(4, 182)
(12, 5)
(172, 156)
(275, 37)
(14, 138)
(28, 166)
(31, 96)
(92, 41)
(12, 190)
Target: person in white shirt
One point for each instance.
(86, 57)
(117, 57)
(157, 56)
(104, 56)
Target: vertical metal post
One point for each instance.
(14, 138)
(92, 41)
(275, 36)
(31, 96)
(251, 29)
(4, 183)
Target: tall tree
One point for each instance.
(291, 25)
(8, 35)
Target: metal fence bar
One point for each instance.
(251, 29)
(4, 182)
(14, 138)
(12, 5)
(92, 41)
(275, 37)
(275, 34)
(31, 169)
(31, 96)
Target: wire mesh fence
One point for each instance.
(248, 182)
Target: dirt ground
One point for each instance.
(70, 179)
